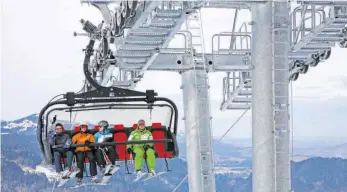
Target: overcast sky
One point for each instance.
(41, 58)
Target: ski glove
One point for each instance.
(87, 142)
(129, 151)
(67, 144)
(52, 134)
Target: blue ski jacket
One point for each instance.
(103, 136)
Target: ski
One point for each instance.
(109, 174)
(87, 184)
(67, 178)
(151, 177)
(140, 176)
(107, 168)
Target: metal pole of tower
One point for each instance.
(263, 169)
(198, 131)
(281, 37)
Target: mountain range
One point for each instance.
(21, 170)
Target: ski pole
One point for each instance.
(131, 164)
(105, 156)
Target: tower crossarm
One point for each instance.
(143, 42)
(315, 30)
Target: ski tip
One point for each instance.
(156, 175)
(87, 184)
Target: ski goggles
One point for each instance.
(104, 127)
(141, 124)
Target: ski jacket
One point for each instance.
(60, 139)
(103, 136)
(138, 135)
(81, 138)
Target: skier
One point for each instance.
(104, 135)
(84, 137)
(141, 133)
(57, 137)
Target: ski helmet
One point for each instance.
(141, 121)
(103, 123)
(83, 123)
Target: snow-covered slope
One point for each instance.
(25, 125)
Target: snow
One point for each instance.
(25, 124)
(48, 171)
(298, 158)
(237, 159)
(27, 169)
(243, 172)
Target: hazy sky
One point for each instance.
(41, 58)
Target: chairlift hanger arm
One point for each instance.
(111, 92)
(108, 108)
(114, 92)
(101, 91)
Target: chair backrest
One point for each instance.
(158, 133)
(120, 136)
(77, 128)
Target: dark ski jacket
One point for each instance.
(60, 139)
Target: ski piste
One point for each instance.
(68, 177)
(109, 174)
(151, 177)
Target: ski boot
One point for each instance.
(78, 181)
(95, 179)
(102, 168)
(65, 174)
(151, 173)
(62, 175)
(138, 173)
